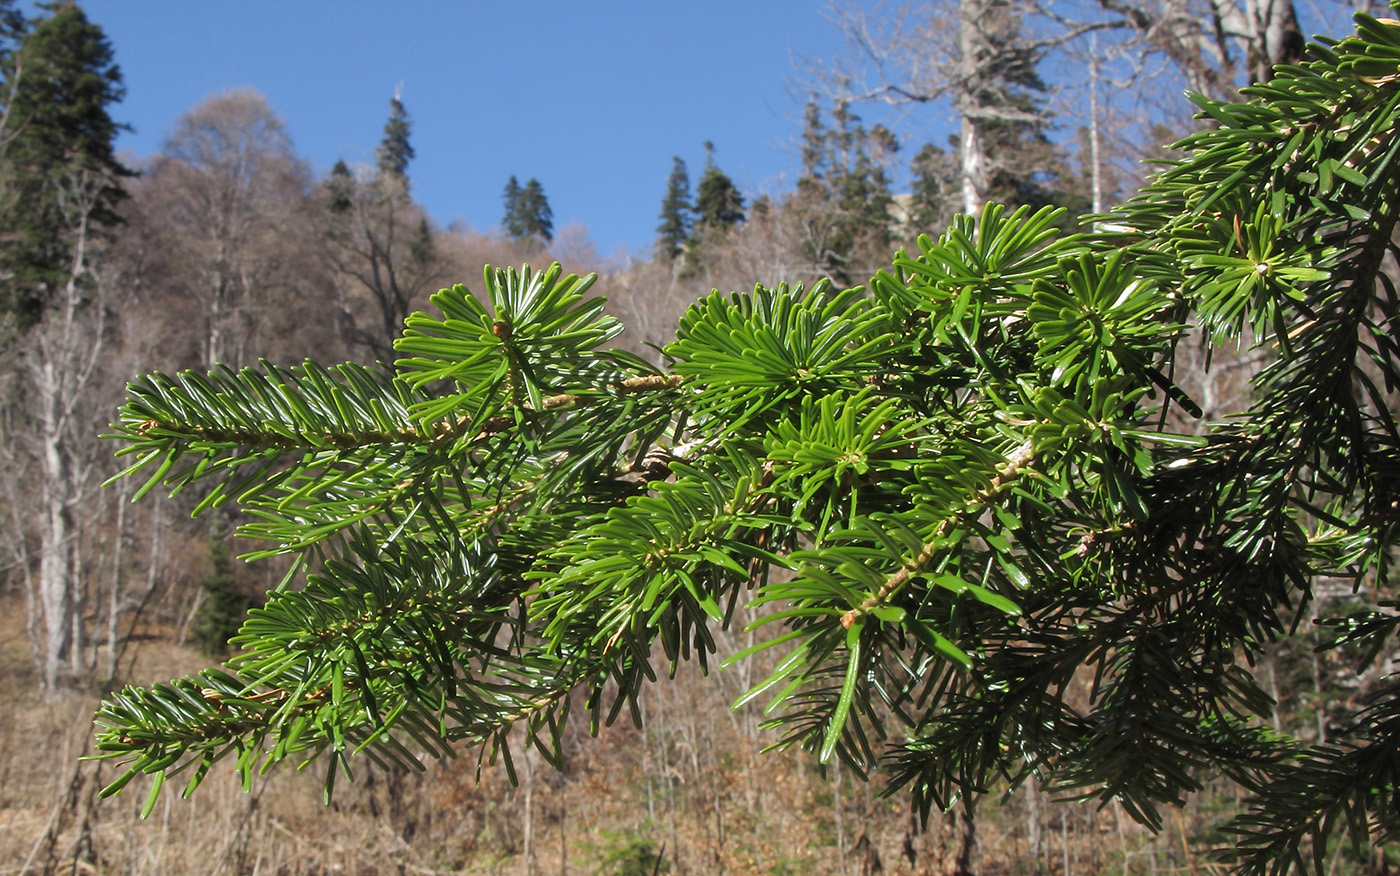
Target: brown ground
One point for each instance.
(691, 796)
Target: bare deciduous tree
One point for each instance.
(971, 53)
(61, 358)
(228, 203)
(379, 245)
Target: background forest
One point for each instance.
(228, 247)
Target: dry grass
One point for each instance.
(692, 790)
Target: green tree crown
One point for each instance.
(718, 203)
(59, 148)
(395, 150)
(527, 211)
(676, 210)
(951, 495)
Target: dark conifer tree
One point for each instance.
(395, 151)
(12, 28)
(340, 189)
(59, 129)
(527, 211)
(843, 197)
(934, 188)
(511, 219)
(676, 211)
(860, 184)
(718, 208)
(225, 604)
(539, 219)
(815, 148)
(718, 204)
(1024, 166)
(422, 251)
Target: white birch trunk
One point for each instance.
(55, 593)
(972, 146)
(61, 359)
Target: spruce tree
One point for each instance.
(675, 225)
(225, 604)
(718, 204)
(815, 149)
(422, 251)
(861, 185)
(934, 190)
(513, 218)
(997, 542)
(62, 188)
(63, 78)
(536, 218)
(843, 197)
(340, 189)
(395, 151)
(1008, 96)
(528, 214)
(718, 208)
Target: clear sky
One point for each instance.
(591, 98)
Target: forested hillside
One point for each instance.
(228, 249)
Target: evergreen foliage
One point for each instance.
(340, 189)
(814, 150)
(718, 204)
(951, 493)
(631, 855)
(934, 187)
(844, 191)
(718, 208)
(527, 211)
(225, 604)
(676, 210)
(421, 250)
(395, 151)
(59, 150)
(510, 200)
(539, 218)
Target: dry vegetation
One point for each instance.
(690, 795)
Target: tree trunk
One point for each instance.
(968, 100)
(1276, 36)
(62, 355)
(114, 602)
(974, 167)
(55, 593)
(1033, 841)
(528, 826)
(1095, 166)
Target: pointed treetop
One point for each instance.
(58, 129)
(718, 203)
(511, 199)
(814, 143)
(527, 211)
(339, 185)
(395, 151)
(676, 211)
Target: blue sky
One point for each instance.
(591, 98)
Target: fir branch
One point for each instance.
(1006, 473)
